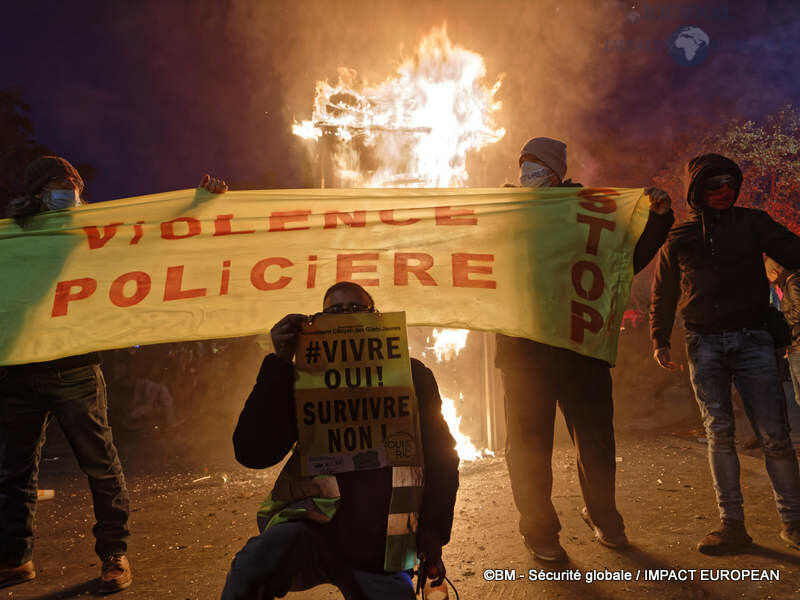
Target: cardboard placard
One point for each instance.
(355, 402)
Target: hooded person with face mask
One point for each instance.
(537, 377)
(712, 268)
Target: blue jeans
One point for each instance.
(794, 369)
(76, 398)
(746, 357)
(299, 555)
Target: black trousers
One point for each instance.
(76, 398)
(536, 378)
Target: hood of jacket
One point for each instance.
(705, 166)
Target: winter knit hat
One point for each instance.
(709, 165)
(551, 152)
(45, 169)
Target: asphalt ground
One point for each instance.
(191, 516)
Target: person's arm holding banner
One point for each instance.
(655, 232)
(267, 428)
(663, 301)
(441, 473)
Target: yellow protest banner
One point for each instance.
(355, 402)
(553, 265)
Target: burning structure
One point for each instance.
(416, 129)
(413, 130)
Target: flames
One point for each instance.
(413, 130)
(448, 343)
(464, 446)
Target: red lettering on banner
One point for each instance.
(580, 325)
(447, 215)
(279, 219)
(462, 270)
(86, 286)
(137, 233)
(596, 226)
(311, 279)
(117, 291)
(225, 281)
(387, 216)
(174, 283)
(357, 219)
(598, 200)
(345, 267)
(420, 270)
(598, 283)
(222, 226)
(258, 274)
(168, 228)
(98, 240)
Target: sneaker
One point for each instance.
(115, 574)
(617, 541)
(19, 574)
(730, 539)
(547, 550)
(791, 534)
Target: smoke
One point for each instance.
(618, 111)
(155, 96)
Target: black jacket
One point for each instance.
(267, 430)
(712, 269)
(790, 306)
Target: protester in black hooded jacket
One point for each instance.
(713, 263)
(712, 268)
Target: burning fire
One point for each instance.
(414, 129)
(448, 343)
(464, 446)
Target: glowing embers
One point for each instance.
(414, 129)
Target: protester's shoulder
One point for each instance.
(418, 368)
(424, 381)
(272, 365)
(752, 215)
(683, 231)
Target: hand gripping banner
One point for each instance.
(553, 265)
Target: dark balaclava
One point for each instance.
(703, 167)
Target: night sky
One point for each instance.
(154, 94)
